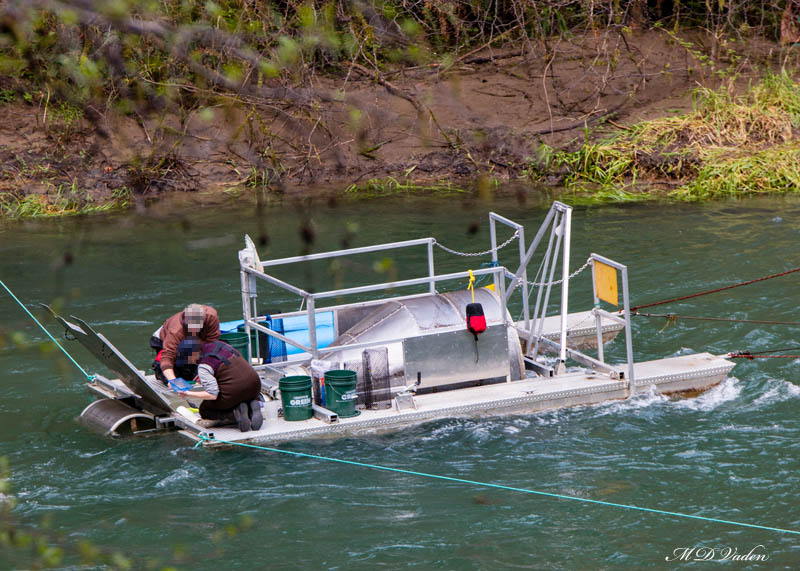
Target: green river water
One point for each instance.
(732, 453)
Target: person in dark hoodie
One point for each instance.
(229, 389)
(199, 321)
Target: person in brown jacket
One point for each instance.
(199, 321)
(230, 389)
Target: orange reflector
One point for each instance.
(605, 282)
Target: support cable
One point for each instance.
(11, 293)
(204, 437)
(787, 272)
(673, 317)
(750, 356)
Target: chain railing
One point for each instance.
(557, 282)
(471, 254)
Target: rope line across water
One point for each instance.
(206, 438)
(751, 356)
(787, 272)
(672, 316)
(11, 293)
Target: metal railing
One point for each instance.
(557, 220)
(251, 273)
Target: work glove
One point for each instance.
(180, 385)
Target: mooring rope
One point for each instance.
(206, 438)
(751, 356)
(787, 272)
(11, 293)
(673, 317)
(773, 350)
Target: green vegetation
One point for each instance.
(277, 74)
(729, 145)
(726, 174)
(376, 187)
(59, 203)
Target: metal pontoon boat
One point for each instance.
(414, 358)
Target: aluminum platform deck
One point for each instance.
(399, 341)
(676, 374)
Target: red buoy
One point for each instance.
(476, 320)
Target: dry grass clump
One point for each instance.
(772, 170)
(726, 139)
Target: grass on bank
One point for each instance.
(727, 175)
(61, 203)
(389, 186)
(729, 145)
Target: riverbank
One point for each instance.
(500, 114)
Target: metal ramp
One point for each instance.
(141, 392)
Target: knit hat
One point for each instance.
(185, 350)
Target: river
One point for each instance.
(732, 453)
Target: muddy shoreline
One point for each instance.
(485, 119)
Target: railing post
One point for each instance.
(525, 304)
(598, 320)
(249, 296)
(628, 332)
(493, 238)
(431, 271)
(500, 278)
(626, 310)
(312, 326)
(565, 231)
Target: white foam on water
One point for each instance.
(549, 417)
(683, 351)
(694, 454)
(176, 476)
(92, 454)
(778, 390)
(442, 432)
(638, 401)
(726, 391)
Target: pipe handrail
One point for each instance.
(400, 283)
(348, 252)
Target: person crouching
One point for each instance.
(231, 387)
(197, 321)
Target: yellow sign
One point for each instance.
(605, 282)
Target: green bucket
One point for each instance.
(340, 392)
(253, 338)
(236, 340)
(296, 397)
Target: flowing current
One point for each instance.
(731, 453)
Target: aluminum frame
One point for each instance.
(250, 295)
(626, 311)
(557, 220)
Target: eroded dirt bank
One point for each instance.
(486, 114)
